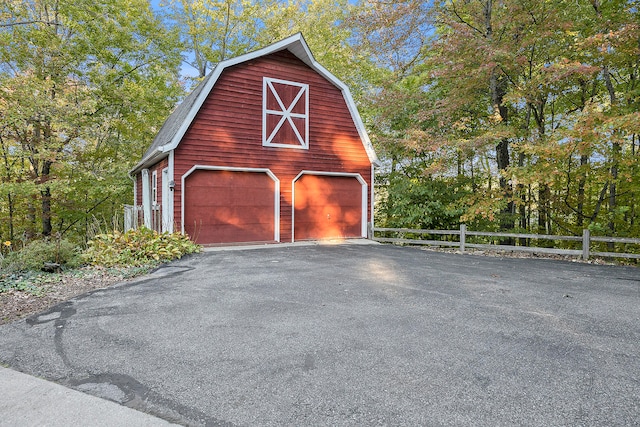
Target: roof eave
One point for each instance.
(150, 160)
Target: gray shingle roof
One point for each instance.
(174, 121)
(180, 119)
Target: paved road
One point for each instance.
(351, 335)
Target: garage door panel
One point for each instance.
(239, 196)
(229, 206)
(204, 234)
(239, 218)
(327, 207)
(223, 201)
(212, 199)
(238, 215)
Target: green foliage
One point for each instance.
(35, 254)
(137, 247)
(416, 200)
(38, 283)
(30, 282)
(535, 103)
(84, 87)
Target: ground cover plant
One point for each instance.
(108, 259)
(35, 254)
(137, 248)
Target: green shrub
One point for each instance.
(35, 254)
(137, 247)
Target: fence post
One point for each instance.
(463, 231)
(586, 235)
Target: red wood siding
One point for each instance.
(225, 206)
(327, 207)
(138, 200)
(227, 130)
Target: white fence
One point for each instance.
(134, 217)
(462, 242)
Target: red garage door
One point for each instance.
(229, 206)
(327, 207)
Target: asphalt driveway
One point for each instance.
(351, 335)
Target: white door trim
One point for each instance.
(363, 183)
(274, 178)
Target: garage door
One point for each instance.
(223, 206)
(327, 207)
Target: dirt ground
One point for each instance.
(16, 304)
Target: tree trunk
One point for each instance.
(615, 145)
(498, 91)
(502, 158)
(46, 200)
(633, 195)
(11, 208)
(7, 168)
(581, 185)
(497, 86)
(46, 211)
(30, 230)
(522, 208)
(612, 192)
(544, 193)
(543, 202)
(615, 150)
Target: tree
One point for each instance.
(84, 84)
(540, 97)
(212, 31)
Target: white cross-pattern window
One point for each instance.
(285, 114)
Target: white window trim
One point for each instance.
(285, 113)
(154, 188)
(364, 210)
(274, 178)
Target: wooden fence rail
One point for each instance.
(462, 243)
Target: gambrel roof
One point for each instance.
(177, 124)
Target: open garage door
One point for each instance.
(329, 206)
(229, 206)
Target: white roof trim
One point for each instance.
(297, 46)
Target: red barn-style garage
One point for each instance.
(269, 147)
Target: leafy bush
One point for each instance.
(416, 200)
(35, 254)
(137, 247)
